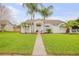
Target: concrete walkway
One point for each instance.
(39, 49)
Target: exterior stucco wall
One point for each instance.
(22, 30)
(39, 28)
(55, 29)
(27, 30)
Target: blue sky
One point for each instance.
(62, 11)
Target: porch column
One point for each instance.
(70, 30)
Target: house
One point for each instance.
(17, 28)
(38, 25)
(7, 25)
(74, 29)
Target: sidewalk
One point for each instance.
(39, 49)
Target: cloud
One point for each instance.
(14, 14)
(62, 18)
(21, 4)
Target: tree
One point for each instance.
(32, 8)
(48, 30)
(46, 12)
(4, 15)
(4, 12)
(68, 25)
(77, 20)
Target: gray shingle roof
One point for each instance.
(53, 22)
(5, 22)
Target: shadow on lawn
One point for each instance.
(73, 33)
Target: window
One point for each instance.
(46, 25)
(73, 30)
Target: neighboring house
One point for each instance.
(17, 28)
(8, 25)
(74, 29)
(54, 25)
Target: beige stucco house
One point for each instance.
(38, 25)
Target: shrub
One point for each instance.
(48, 31)
(36, 31)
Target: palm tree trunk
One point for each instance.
(25, 29)
(44, 24)
(67, 30)
(31, 23)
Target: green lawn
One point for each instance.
(61, 44)
(16, 43)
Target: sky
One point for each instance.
(61, 11)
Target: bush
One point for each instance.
(36, 31)
(48, 31)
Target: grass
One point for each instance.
(16, 43)
(61, 44)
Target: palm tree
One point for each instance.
(31, 9)
(77, 20)
(46, 12)
(68, 25)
